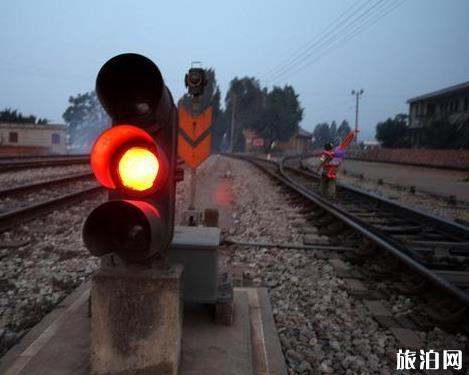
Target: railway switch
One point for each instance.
(135, 160)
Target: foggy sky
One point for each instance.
(53, 49)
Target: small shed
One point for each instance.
(300, 143)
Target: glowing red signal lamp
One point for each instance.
(138, 168)
(127, 159)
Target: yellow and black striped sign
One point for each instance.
(195, 136)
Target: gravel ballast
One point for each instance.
(322, 328)
(42, 261)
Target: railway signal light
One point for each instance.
(196, 80)
(136, 161)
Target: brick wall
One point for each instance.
(23, 151)
(458, 159)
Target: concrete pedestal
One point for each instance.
(136, 321)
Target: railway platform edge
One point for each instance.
(60, 344)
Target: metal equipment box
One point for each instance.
(196, 248)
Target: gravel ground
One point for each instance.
(321, 327)
(41, 263)
(25, 176)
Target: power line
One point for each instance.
(329, 36)
(355, 27)
(373, 19)
(312, 42)
(354, 32)
(326, 36)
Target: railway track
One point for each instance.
(23, 188)
(27, 201)
(435, 249)
(26, 162)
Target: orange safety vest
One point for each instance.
(329, 170)
(332, 159)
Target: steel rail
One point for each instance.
(41, 157)
(435, 220)
(24, 214)
(11, 165)
(318, 246)
(38, 185)
(381, 241)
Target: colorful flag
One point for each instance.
(339, 151)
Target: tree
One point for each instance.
(343, 129)
(250, 101)
(274, 115)
(321, 135)
(211, 97)
(280, 117)
(392, 132)
(86, 119)
(334, 136)
(15, 117)
(442, 134)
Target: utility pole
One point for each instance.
(233, 119)
(357, 94)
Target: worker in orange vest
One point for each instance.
(330, 160)
(327, 184)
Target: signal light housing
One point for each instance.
(196, 80)
(136, 160)
(131, 229)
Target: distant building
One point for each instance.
(371, 143)
(299, 143)
(451, 104)
(252, 142)
(32, 139)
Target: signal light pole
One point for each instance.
(195, 81)
(136, 299)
